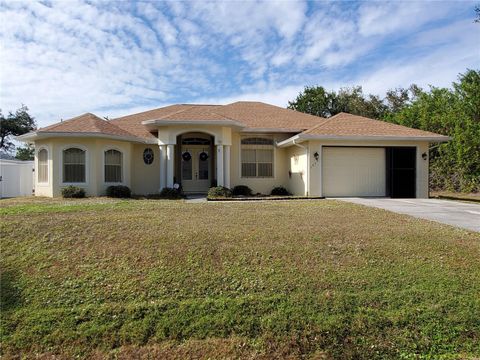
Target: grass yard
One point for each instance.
(474, 197)
(122, 279)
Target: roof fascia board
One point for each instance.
(38, 135)
(439, 138)
(305, 137)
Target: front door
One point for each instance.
(195, 168)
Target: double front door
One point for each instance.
(196, 168)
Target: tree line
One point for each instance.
(14, 124)
(454, 112)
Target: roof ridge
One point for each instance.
(176, 112)
(115, 126)
(224, 116)
(325, 120)
(67, 120)
(199, 104)
(193, 106)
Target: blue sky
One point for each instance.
(65, 58)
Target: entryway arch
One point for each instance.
(195, 161)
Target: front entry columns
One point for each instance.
(220, 176)
(163, 163)
(170, 160)
(226, 165)
(223, 165)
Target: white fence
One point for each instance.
(16, 178)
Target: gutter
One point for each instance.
(39, 135)
(306, 137)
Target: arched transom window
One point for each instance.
(113, 166)
(74, 165)
(42, 157)
(257, 157)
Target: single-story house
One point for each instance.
(243, 143)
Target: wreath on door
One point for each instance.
(203, 156)
(186, 156)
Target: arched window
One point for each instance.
(257, 157)
(73, 165)
(113, 166)
(42, 170)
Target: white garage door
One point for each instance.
(349, 171)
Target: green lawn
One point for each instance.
(475, 197)
(168, 279)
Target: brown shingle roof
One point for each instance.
(86, 123)
(344, 124)
(254, 115)
(196, 112)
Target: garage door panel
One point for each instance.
(354, 171)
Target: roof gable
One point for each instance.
(86, 123)
(252, 115)
(248, 115)
(344, 124)
(260, 115)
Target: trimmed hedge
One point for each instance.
(170, 193)
(280, 191)
(242, 190)
(219, 191)
(73, 192)
(119, 191)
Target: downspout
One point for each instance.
(308, 165)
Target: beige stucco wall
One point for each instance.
(145, 178)
(94, 184)
(294, 167)
(260, 185)
(298, 163)
(167, 135)
(316, 168)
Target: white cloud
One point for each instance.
(381, 18)
(63, 58)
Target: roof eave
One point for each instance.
(305, 137)
(290, 141)
(39, 135)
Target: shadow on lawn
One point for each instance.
(10, 293)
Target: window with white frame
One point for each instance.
(113, 166)
(42, 173)
(257, 157)
(74, 165)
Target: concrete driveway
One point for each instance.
(456, 213)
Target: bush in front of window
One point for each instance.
(279, 191)
(219, 191)
(119, 191)
(73, 192)
(242, 190)
(170, 193)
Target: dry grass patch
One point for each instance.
(310, 278)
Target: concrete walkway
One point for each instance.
(196, 198)
(461, 214)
